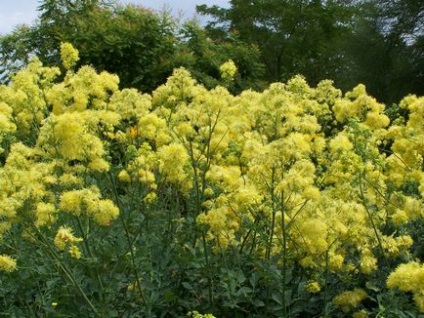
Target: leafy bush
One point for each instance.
(293, 202)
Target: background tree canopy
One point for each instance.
(376, 42)
(139, 45)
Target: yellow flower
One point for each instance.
(196, 314)
(172, 161)
(419, 300)
(228, 70)
(64, 236)
(69, 55)
(45, 213)
(146, 176)
(124, 176)
(313, 287)
(103, 212)
(340, 143)
(7, 264)
(335, 261)
(313, 232)
(74, 252)
(400, 217)
(150, 197)
(368, 262)
(133, 132)
(70, 180)
(349, 300)
(407, 277)
(209, 192)
(99, 164)
(88, 200)
(71, 202)
(360, 314)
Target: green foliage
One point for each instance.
(203, 56)
(294, 37)
(139, 45)
(386, 49)
(130, 40)
(376, 42)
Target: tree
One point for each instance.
(203, 56)
(293, 36)
(376, 42)
(387, 48)
(130, 40)
(57, 18)
(139, 45)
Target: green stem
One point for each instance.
(325, 285)
(274, 211)
(380, 243)
(67, 272)
(90, 253)
(284, 230)
(130, 243)
(205, 252)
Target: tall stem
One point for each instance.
(284, 230)
(377, 235)
(325, 285)
(67, 272)
(274, 211)
(130, 243)
(90, 253)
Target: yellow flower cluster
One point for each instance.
(313, 287)
(25, 183)
(409, 278)
(173, 161)
(7, 127)
(349, 300)
(77, 202)
(360, 106)
(65, 239)
(360, 314)
(196, 314)
(267, 154)
(7, 264)
(228, 70)
(69, 55)
(23, 102)
(303, 174)
(69, 137)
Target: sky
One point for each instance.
(15, 12)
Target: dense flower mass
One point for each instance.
(228, 70)
(7, 264)
(318, 182)
(350, 299)
(69, 55)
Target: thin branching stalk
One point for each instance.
(207, 264)
(325, 314)
(274, 212)
(377, 235)
(66, 271)
(284, 231)
(130, 243)
(90, 253)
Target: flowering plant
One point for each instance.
(292, 201)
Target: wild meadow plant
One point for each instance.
(291, 202)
